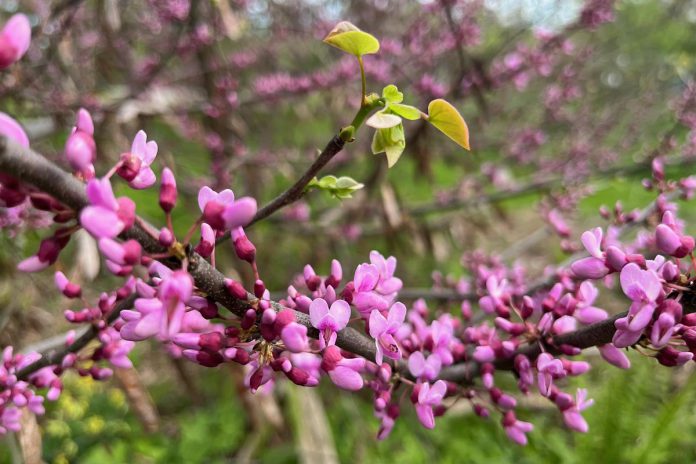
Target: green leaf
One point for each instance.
(347, 37)
(341, 187)
(390, 141)
(405, 111)
(383, 120)
(447, 119)
(391, 94)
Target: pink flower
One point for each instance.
(106, 217)
(80, 149)
(614, 356)
(643, 288)
(592, 241)
(383, 329)
(387, 284)
(294, 337)
(12, 130)
(548, 369)
(222, 212)
(422, 367)
(585, 312)
(344, 372)
(135, 166)
(14, 40)
(428, 397)
(67, 288)
(516, 429)
(572, 409)
(671, 242)
(589, 268)
(328, 320)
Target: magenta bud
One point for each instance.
(249, 319)
(259, 288)
(243, 248)
(168, 192)
(255, 379)
(212, 215)
(268, 316)
(187, 340)
(130, 166)
(283, 318)
(68, 288)
(207, 244)
(481, 411)
(236, 289)
(210, 311)
(689, 320)
(166, 238)
(301, 377)
(670, 357)
(589, 268)
(569, 350)
(204, 358)
(10, 198)
(616, 259)
(132, 252)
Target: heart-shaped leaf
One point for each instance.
(347, 37)
(391, 94)
(447, 119)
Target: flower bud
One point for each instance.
(236, 289)
(168, 192)
(244, 249)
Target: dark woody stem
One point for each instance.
(32, 168)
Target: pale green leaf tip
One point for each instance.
(349, 38)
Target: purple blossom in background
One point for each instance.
(11, 129)
(15, 38)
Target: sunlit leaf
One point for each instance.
(350, 39)
(447, 119)
(383, 120)
(405, 111)
(391, 94)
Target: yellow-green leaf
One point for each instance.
(390, 141)
(405, 111)
(447, 119)
(347, 37)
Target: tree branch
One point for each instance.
(296, 191)
(54, 356)
(34, 169)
